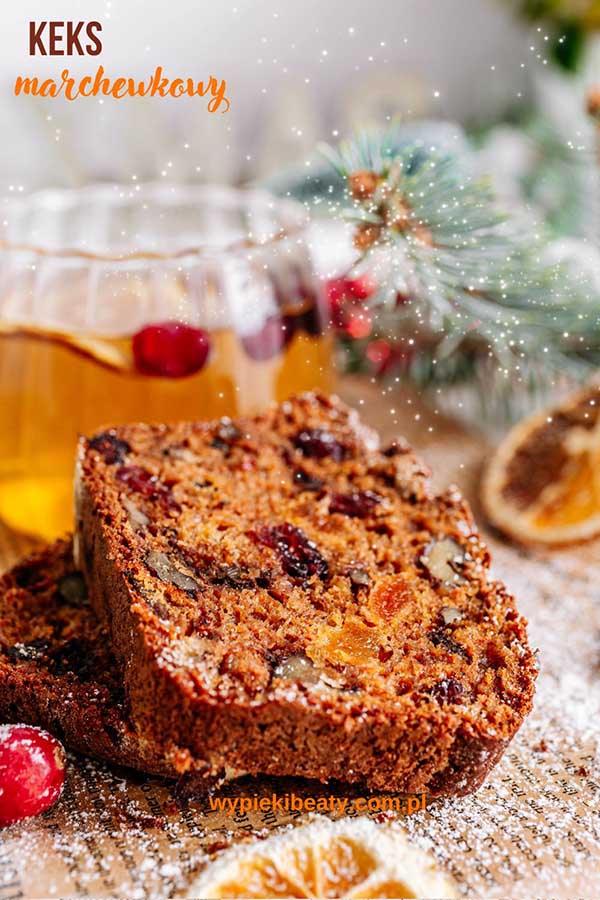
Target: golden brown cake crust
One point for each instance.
(56, 670)
(287, 599)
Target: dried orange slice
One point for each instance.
(347, 858)
(543, 483)
(112, 353)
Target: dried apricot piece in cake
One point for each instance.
(543, 483)
(347, 858)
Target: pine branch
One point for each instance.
(475, 276)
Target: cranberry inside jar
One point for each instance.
(171, 304)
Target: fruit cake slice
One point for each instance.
(56, 670)
(286, 598)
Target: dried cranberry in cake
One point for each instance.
(318, 443)
(32, 772)
(267, 343)
(110, 447)
(142, 482)
(359, 504)
(448, 690)
(299, 555)
(139, 480)
(170, 350)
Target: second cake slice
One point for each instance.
(285, 598)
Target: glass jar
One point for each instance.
(146, 303)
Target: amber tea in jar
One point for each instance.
(147, 304)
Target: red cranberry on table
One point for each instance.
(170, 350)
(32, 772)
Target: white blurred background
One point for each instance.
(508, 95)
(297, 72)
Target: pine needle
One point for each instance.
(474, 275)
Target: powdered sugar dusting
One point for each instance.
(531, 831)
